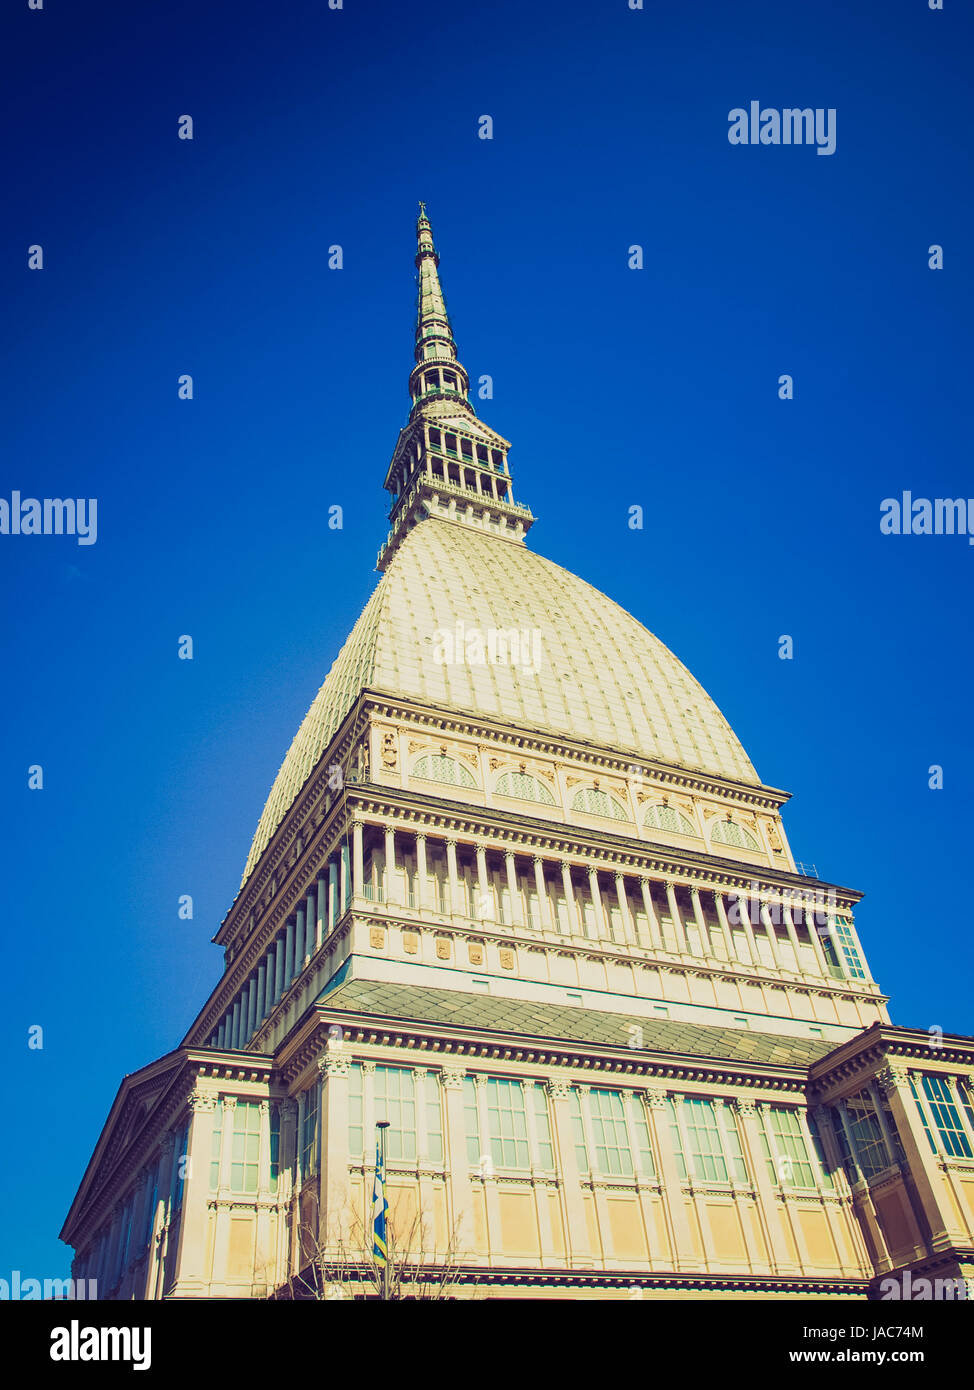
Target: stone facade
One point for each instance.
(518, 890)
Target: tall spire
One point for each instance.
(434, 335)
(447, 462)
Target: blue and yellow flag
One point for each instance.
(379, 1209)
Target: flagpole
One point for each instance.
(381, 1127)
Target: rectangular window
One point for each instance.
(676, 1139)
(179, 1170)
(508, 1123)
(578, 1131)
(819, 1150)
(784, 1147)
(640, 1129)
(471, 1117)
(395, 1101)
(216, 1145)
(542, 1128)
(923, 1115)
(275, 1155)
(309, 1132)
(867, 1135)
(842, 1139)
(842, 928)
(356, 1111)
(613, 1156)
(945, 1116)
(733, 1151)
(151, 1197)
(966, 1100)
(245, 1151)
(434, 1120)
(703, 1136)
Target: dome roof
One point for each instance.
(601, 678)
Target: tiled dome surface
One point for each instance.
(602, 677)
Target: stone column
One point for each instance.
(744, 912)
(772, 935)
(703, 931)
(679, 931)
(344, 879)
(783, 1171)
(251, 1006)
(279, 953)
(674, 1207)
(421, 872)
(190, 1273)
(453, 879)
(862, 1196)
(813, 937)
(655, 930)
(299, 939)
(358, 867)
(390, 848)
(335, 1192)
(628, 930)
(924, 1166)
(597, 909)
(579, 1254)
(824, 929)
(512, 886)
(235, 1026)
(333, 910)
(310, 914)
(754, 1160)
(539, 1179)
(483, 885)
(792, 937)
(486, 1165)
(725, 926)
(544, 907)
(457, 1163)
(261, 993)
(571, 907)
(158, 1231)
(289, 953)
(321, 914)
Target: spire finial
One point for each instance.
(445, 450)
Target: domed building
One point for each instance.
(519, 896)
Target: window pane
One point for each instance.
(542, 1126)
(471, 1116)
(612, 1153)
(867, 1135)
(395, 1101)
(675, 1138)
(356, 1111)
(508, 1123)
(945, 1116)
(704, 1140)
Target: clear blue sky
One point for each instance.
(656, 387)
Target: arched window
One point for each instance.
(598, 803)
(522, 785)
(668, 818)
(728, 832)
(437, 767)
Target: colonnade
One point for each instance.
(443, 876)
